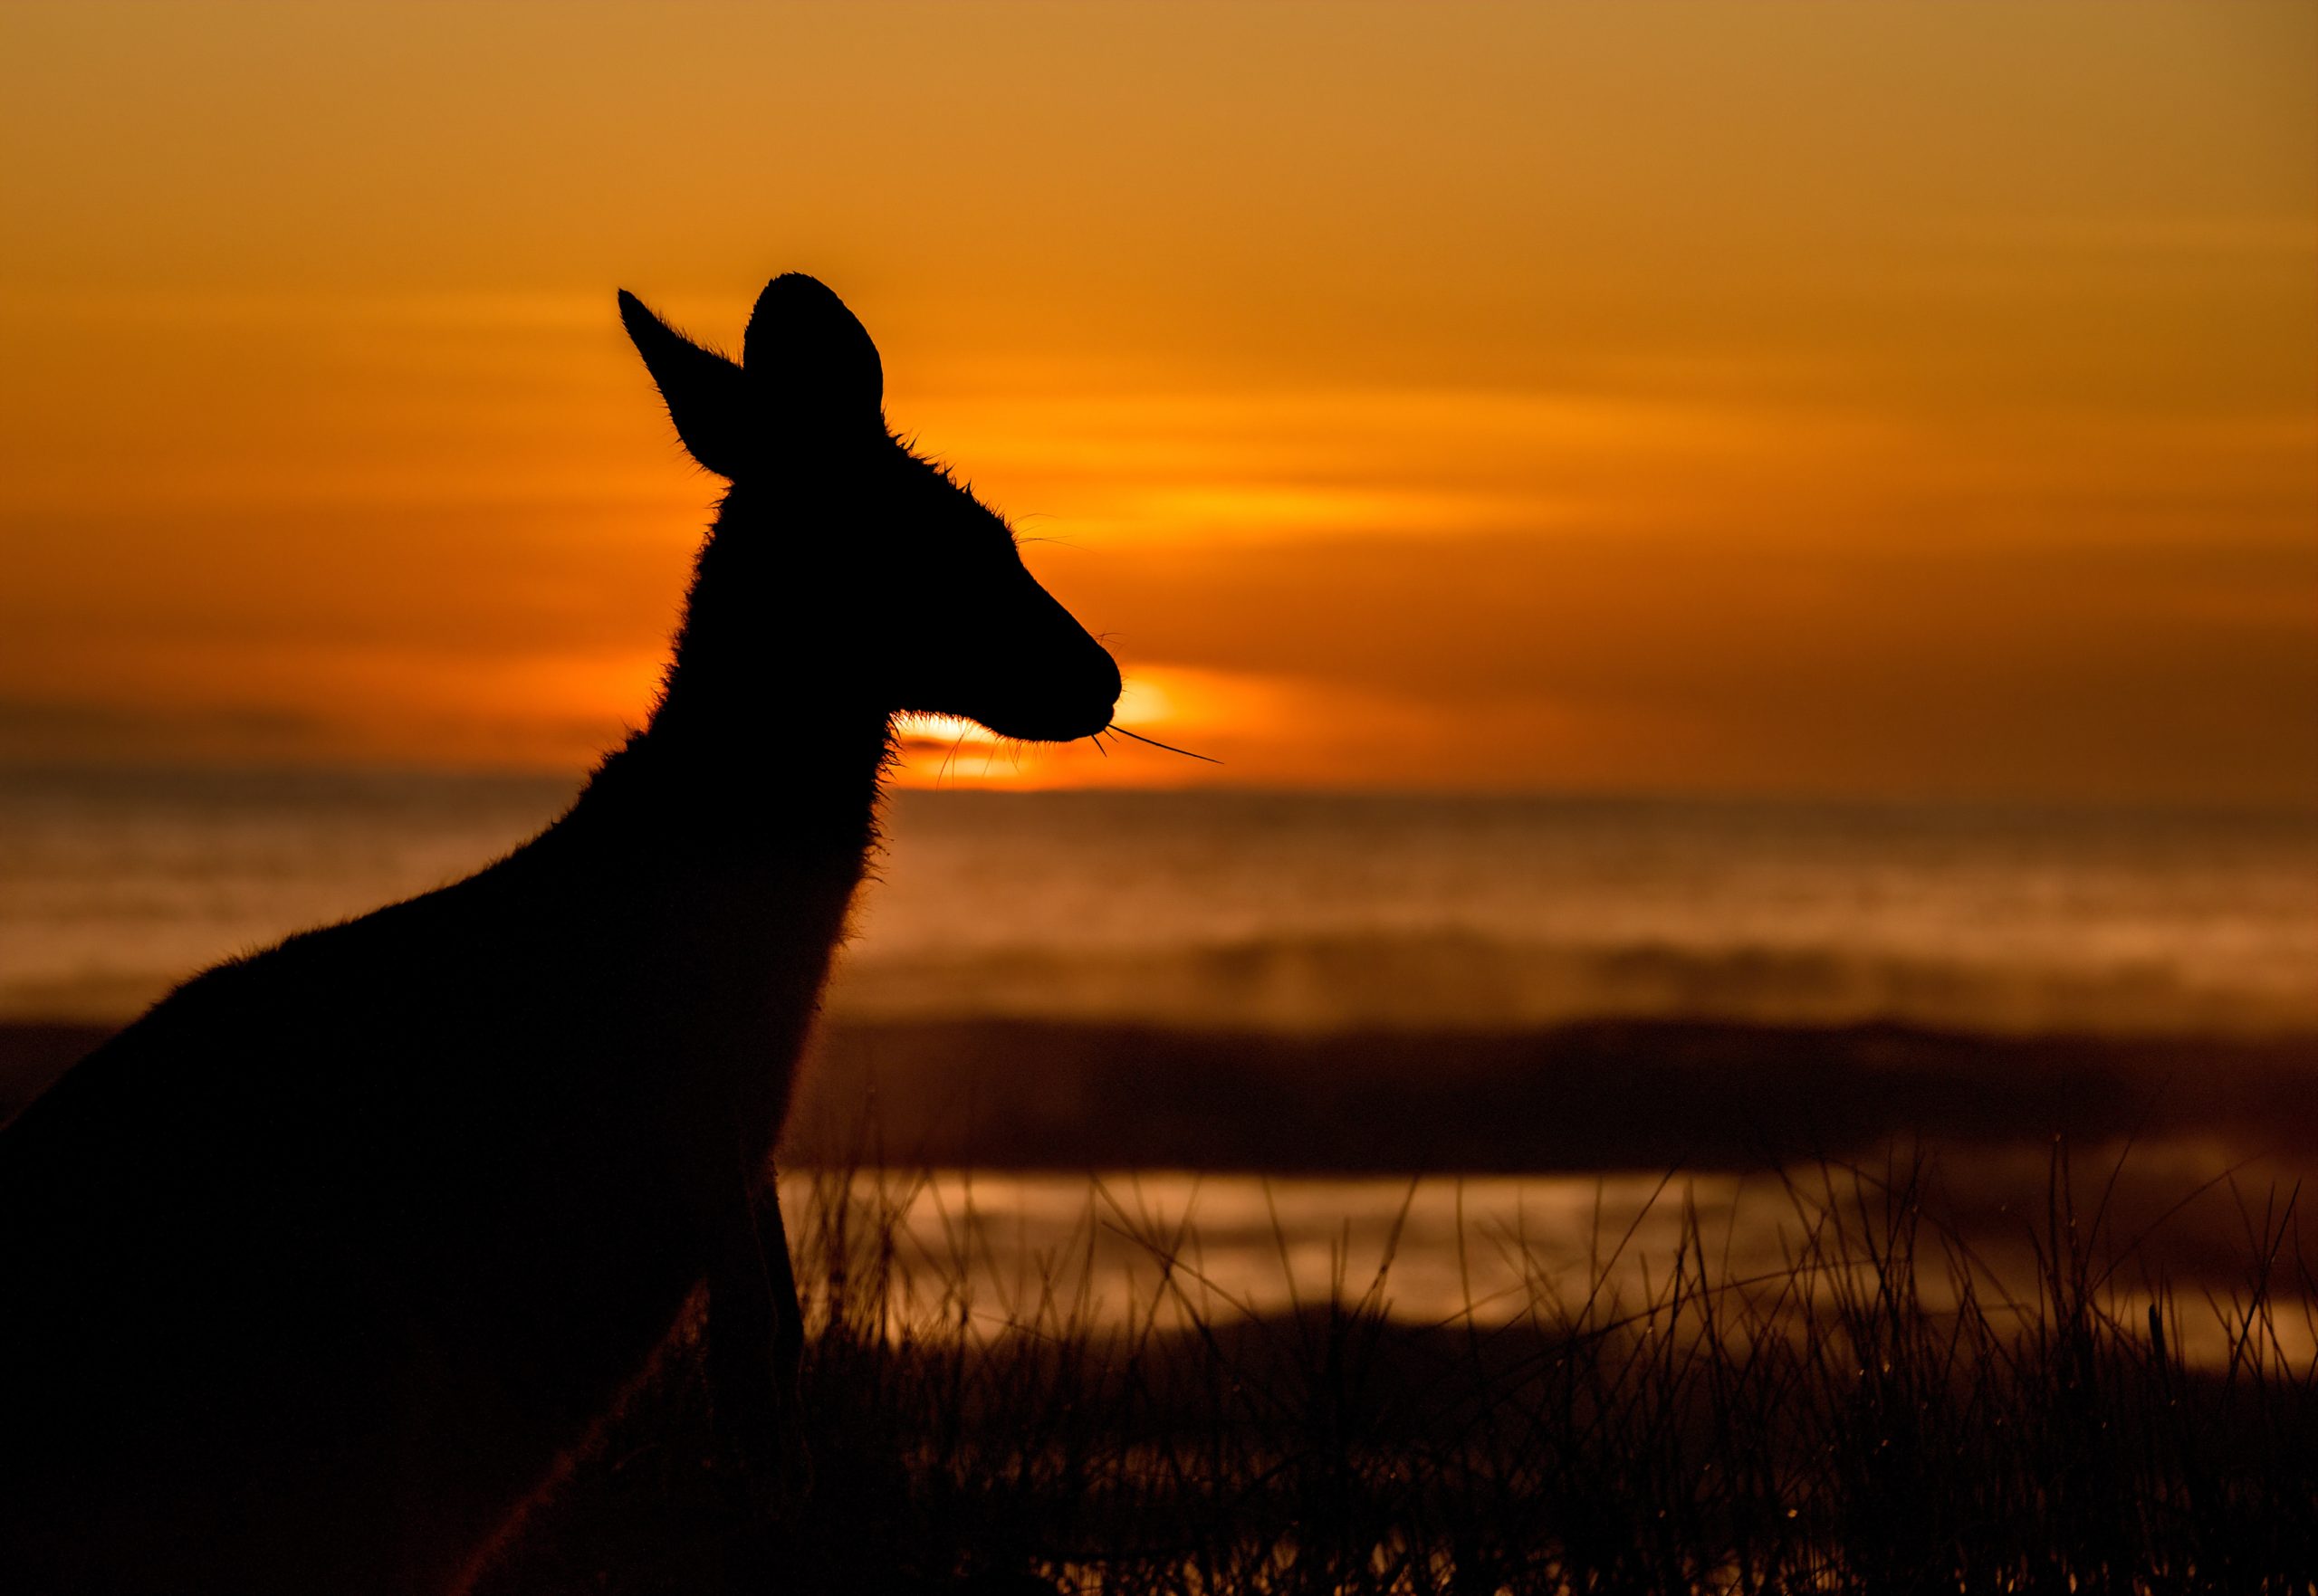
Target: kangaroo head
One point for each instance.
(914, 587)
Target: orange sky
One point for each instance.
(1905, 400)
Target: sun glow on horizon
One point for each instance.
(1168, 703)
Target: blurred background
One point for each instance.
(1752, 573)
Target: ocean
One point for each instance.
(1279, 913)
(1479, 1035)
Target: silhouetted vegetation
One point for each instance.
(1878, 1417)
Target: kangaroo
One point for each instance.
(312, 1277)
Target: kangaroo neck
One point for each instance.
(764, 745)
(720, 849)
(788, 789)
(800, 769)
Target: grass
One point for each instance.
(1881, 1416)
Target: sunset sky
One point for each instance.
(1896, 400)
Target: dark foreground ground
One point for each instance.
(1827, 1430)
(1833, 1427)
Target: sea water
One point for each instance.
(1317, 914)
(1293, 911)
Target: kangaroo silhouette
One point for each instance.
(312, 1277)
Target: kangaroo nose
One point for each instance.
(1087, 705)
(1102, 688)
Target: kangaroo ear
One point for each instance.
(809, 357)
(708, 399)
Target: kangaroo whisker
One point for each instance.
(1170, 747)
